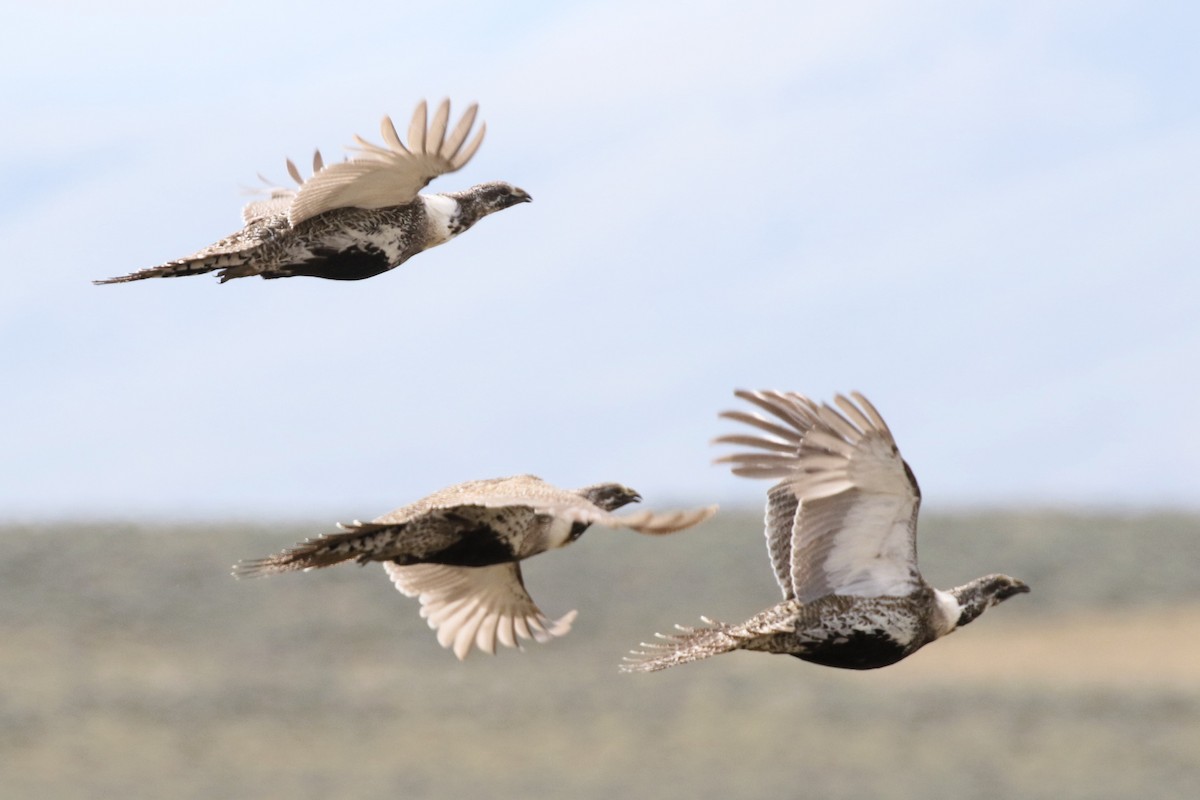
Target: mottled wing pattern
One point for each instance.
(477, 606)
(277, 203)
(780, 520)
(393, 174)
(855, 531)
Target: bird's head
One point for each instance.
(609, 496)
(477, 202)
(1002, 587)
(982, 593)
(498, 195)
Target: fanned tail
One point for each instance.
(689, 644)
(359, 542)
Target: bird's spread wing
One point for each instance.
(391, 175)
(279, 198)
(477, 606)
(543, 498)
(655, 523)
(857, 501)
(651, 523)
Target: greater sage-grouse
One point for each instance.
(458, 551)
(360, 217)
(841, 528)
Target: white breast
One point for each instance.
(945, 616)
(440, 210)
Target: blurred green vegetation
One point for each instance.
(133, 666)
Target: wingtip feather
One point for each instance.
(459, 135)
(416, 128)
(460, 160)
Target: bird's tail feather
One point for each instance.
(229, 263)
(357, 542)
(688, 644)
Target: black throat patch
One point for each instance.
(577, 530)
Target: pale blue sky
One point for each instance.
(983, 216)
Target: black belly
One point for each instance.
(860, 650)
(352, 264)
(474, 547)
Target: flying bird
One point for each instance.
(841, 529)
(359, 217)
(459, 551)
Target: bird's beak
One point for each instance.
(523, 196)
(637, 498)
(1018, 587)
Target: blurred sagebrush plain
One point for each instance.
(133, 666)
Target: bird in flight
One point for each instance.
(359, 217)
(459, 551)
(841, 529)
